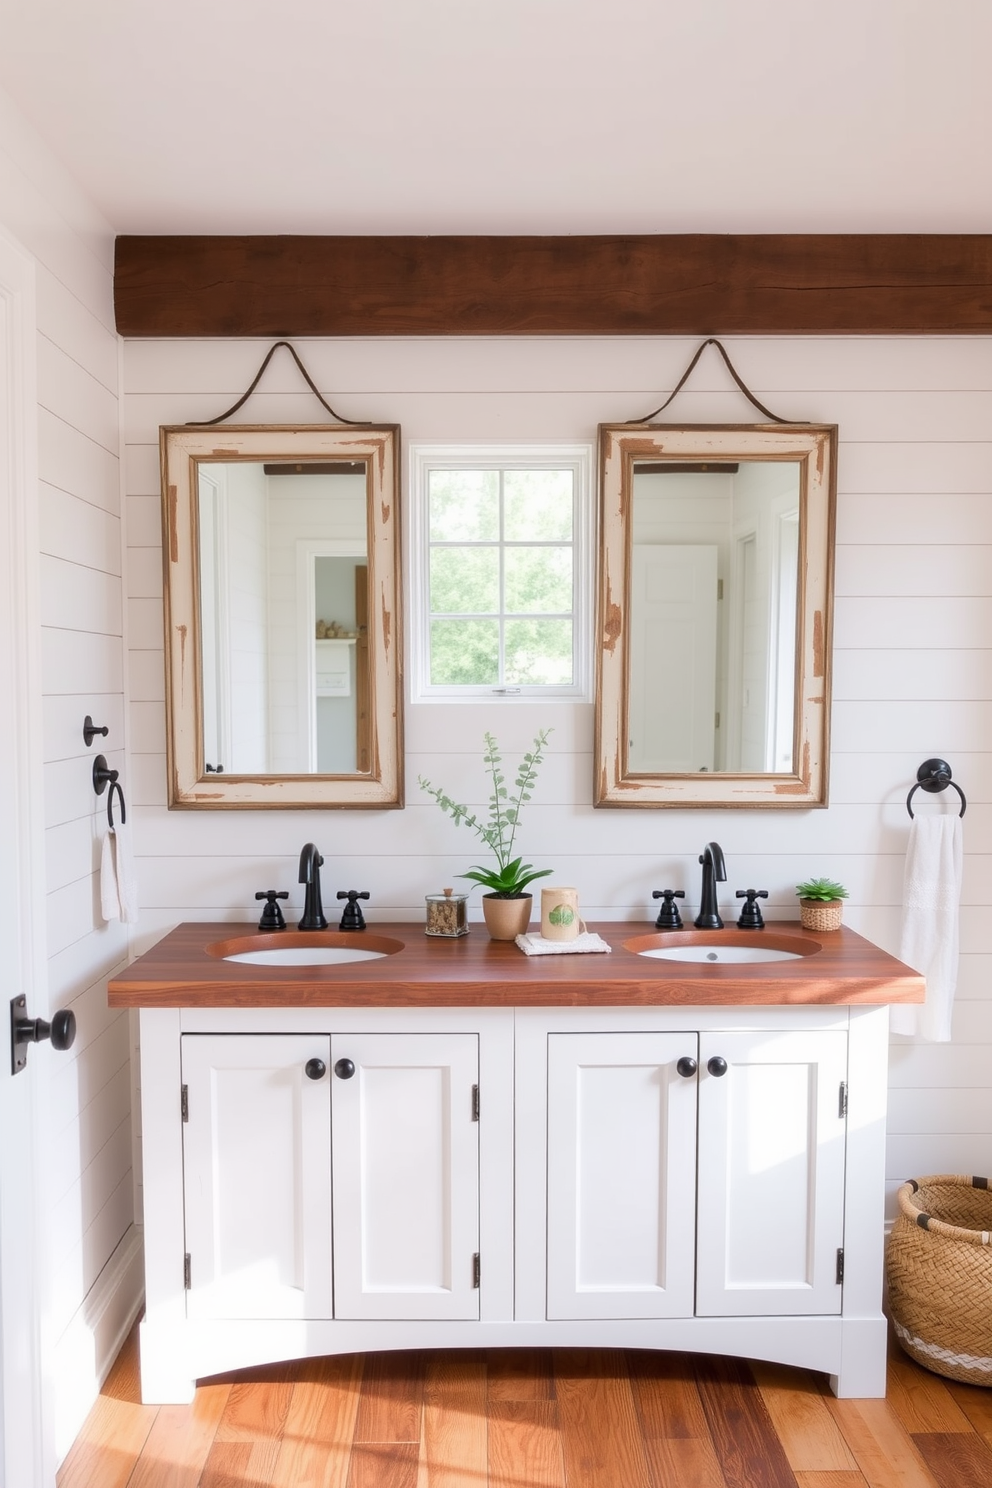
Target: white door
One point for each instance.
(621, 1175)
(771, 1173)
(25, 1441)
(672, 686)
(406, 1175)
(257, 1163)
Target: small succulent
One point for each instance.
(825, 890)
(512, 876)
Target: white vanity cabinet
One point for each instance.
(644, 1221)
(282, 1132)
(512, 1176)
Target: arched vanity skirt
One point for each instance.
(512, 1176)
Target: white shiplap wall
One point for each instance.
(912, 678)
(92, 1259)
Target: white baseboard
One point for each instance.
(82, 1357)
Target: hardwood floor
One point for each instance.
(563, 1418)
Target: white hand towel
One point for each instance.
(110, 904)
(931, 896)
(118, 885)
(534, 944)
(127, 884)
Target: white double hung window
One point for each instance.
(500, 591)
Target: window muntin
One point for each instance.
(500, 593)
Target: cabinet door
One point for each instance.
(406, 1176)
(256, 1158)
(621, 1175)
(771, 1173)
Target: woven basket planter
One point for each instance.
(939, 1265)
(821, 914)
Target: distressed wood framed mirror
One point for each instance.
(282, 614)
(714, 615)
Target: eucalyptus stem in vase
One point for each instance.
(511, 876)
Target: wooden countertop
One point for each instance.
(474, 971)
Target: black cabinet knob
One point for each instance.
(686, 1067)
(717, 1065)
(344, 1069)
(315, 1069)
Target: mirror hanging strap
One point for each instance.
(712, 341)
(208, 423)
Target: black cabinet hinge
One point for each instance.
(840, 1266)
(475, 1102)
(842, 1101)
(187, 1271)
(476, 1270)
(184, 1101)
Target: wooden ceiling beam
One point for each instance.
(680, 284)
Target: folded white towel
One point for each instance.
(118, 884)
(534, 944)
(931, 896)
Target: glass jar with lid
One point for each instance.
(447, 914)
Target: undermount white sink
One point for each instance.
(722, 955)
(306, 956)
(305, 948)
(724, 947)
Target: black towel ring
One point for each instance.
(103, 776)
(935, 775)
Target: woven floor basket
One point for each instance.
(821, 914)
(939, 1265)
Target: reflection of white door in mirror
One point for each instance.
(246, 725)
(673, 632)
(713, 685)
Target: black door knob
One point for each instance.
(61, 1030)
(717, 1065)
(344, 1069)
(315, 1069)
(686, 1066)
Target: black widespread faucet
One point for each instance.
(313, 910)
(714, 869)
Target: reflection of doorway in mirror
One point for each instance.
(673, 651)
(738, 653)
(334, 680)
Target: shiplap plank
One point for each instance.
(967, 1110)
(899, 675)
(93, 1129)
(65, 320)
(931, 570)
(78, 531)
(82, 664)
(768, 364)
(144, 573)
(70, 461)
(73, 394)
(76, 598)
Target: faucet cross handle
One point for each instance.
(668, 915)
(750, 916)
(352, 918)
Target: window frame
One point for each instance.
(426, 457)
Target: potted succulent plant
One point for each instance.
(821, 904)
(507, 905)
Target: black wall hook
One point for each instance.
(103, 776)
(91, 729)
(934, 775)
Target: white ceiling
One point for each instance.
(500, 116)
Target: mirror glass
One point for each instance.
(715, 581)
(713, 587)
(283, 668)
